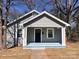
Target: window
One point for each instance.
(19, 33)
(50, 33)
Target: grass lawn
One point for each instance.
(71, 52)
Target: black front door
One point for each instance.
(37, 35)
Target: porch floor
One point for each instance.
(44, 45)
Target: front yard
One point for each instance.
(71, 52)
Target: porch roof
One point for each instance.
(51, 17)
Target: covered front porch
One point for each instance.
(36, 37)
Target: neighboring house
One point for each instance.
(38, 30)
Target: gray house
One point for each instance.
(38, 30)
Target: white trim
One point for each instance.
(24, 36)
(34, 34)
(63, 36)
(56, 18)
(44, 12)
(52, 33)
(16, 31)
(23, 16)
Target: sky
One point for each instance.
(21, 7)
(39, 4)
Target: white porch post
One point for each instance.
(16, 34)
(24, 35)
(63, 36)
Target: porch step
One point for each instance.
(44, 45)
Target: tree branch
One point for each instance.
(75, 3)
(75, 8)
(59, 8)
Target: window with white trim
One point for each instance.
(50, 33)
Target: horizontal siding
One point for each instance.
(44, 22)
(57, 35)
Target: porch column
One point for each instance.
(63, 36)
(15, 35)
(24, 35)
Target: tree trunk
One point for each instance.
(4, 37)
(1, 41)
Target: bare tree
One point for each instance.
(30, 4)
(4, 9)
(1, 25)
(69, 9)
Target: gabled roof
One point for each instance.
(22, 17)
(47, 15)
